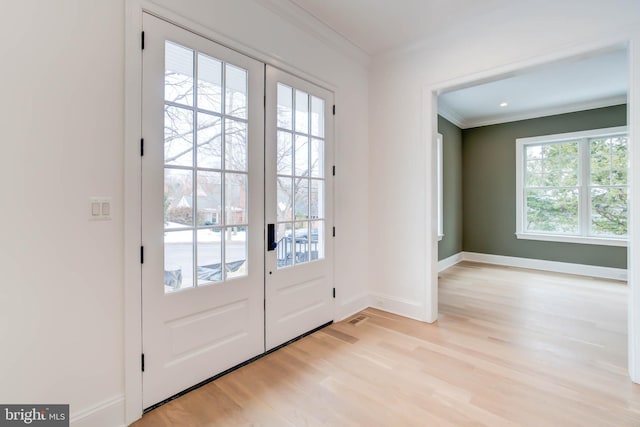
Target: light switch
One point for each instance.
(95, 209)
(100, 208)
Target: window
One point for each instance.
(573, 187)
(440, 189)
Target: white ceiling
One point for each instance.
(572, 85)
(378, 26)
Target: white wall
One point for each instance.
(399, 120)
(61, 298)
(61, 315)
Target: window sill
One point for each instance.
(440, 236)
(604, 241)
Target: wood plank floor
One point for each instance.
(512, 347)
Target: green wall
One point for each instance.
(451, 243)
(489, 193)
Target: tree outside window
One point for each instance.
(573, 185)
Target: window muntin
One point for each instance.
(300, 167)
(205, 169)
(573, 187)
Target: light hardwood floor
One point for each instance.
(512, 347)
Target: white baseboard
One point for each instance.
(414, 310)
(449, 262)
(555, 266)
(352, 306)
(109, 413)
(399, 306)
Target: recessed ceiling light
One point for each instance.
(504, 104)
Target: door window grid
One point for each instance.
(300, 178)
(205, 108)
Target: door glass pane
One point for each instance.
(285, 199)
(209, 83)
(206, 187)
(209, 197)
(284, 250)
(235, 198)
(317, 158)
(301, 198)
(235, 252)
(235, 145)
(178, 74)
(284, 158)
(178, 198)
(236, 92)
(317, 117)
(300, 168)
(178, 136)
(302, 112)
(302, 156)
(301, 242)
(209, 255)
(285, 107)
(209, 141)
(316, 199)
(178, 260)
(317, 240)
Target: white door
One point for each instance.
(298, 209)
(202, 209)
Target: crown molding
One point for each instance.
(450, 114)
(545, 112)
(301, 18)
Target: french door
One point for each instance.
(299, 208)
(206, 188)
(202, 203)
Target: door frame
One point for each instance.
(132, 210)
(429, 119)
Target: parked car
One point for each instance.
(302, 235)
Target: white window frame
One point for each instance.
(584, 179)
(439, 153)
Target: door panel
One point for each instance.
(202, 209)
(298, 197)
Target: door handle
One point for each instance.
(271, 237)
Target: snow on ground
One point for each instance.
(206, 235)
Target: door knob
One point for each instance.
(271, 237)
